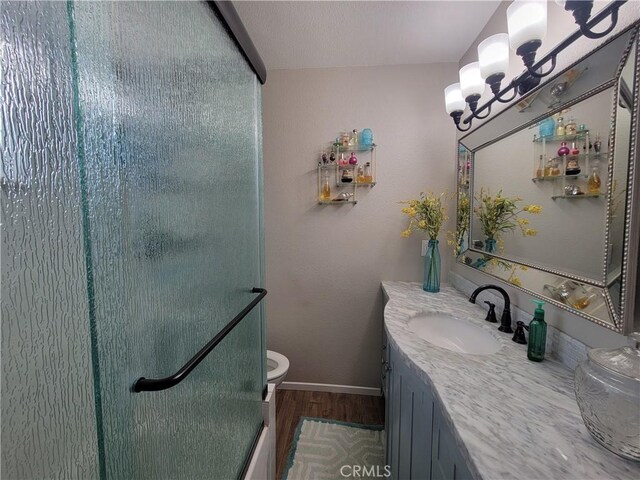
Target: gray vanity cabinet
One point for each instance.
(419, 445)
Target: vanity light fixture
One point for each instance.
(471, 84)
(527, 25)
(493, 58)
(455, 103)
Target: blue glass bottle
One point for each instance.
(431, 281)
(547, 127)
(366, 137)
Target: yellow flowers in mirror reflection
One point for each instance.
(510, 270)
(463, 213)
(426, 213)
(498, 214)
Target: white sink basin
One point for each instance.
(453, 334)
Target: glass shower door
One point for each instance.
(168, 125)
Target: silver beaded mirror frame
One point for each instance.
(613, 290)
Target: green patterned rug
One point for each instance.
(328, 449)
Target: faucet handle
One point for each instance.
(491, 314)
(518, 336)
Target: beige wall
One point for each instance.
(560, 25)
(324, 263)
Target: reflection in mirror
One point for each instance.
(546, 185)
(619, 175)
(563, 176)
(586, 300)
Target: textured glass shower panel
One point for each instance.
(48, 411)
(170, 142)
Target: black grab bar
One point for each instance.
(155, 384)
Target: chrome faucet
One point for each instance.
(505, 320)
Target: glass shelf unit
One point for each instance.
(333, 171)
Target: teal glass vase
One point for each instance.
(431, 281)
(490, 245)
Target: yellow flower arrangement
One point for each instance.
(499, 214)
(426, 214)
(463, 213)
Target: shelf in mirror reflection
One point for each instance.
(552, 178)
(583, 156)
(563, 138)
(583, 195)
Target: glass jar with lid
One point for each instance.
(607, 387)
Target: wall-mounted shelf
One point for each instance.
(337, 202)
(353, 148)
(332, 174)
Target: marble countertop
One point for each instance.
(513, 418)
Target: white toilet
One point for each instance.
(277, 367)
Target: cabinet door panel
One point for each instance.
(406, 425)
(394, 413)
(422, 433)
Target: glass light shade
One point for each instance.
(453, 99)
(561, 3)
(526, 20)
(493, 55)
(471, 82)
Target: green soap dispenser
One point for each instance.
(537, 334)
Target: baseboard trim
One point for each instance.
(328, 387)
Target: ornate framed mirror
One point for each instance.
(545, 188)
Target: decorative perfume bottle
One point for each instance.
(366, 137)
(368, 175)
(325, 193)
(353, 141)
(583, 302)
(347, 175)
(343, 162)
(571, 128)
(572, 167)
(353, 160)
(597, 145)
(540, 171)
(548, 168)
(563, 150)
(360, 176)
(594, 182)
(574, 150)
(555, 168)
(560, 130)
(547, 127)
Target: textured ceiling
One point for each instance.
(313, 34)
